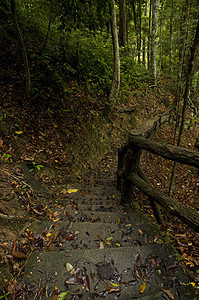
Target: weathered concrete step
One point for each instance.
(81, 235)
(91, 200)
(118, 273)
(108, 217)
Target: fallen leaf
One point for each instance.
(137, 242)
(118, 221)
(18, 254)
(114, 290)
(168, 293)
(69, 191)
(114, 284)
(70, 237)
(86, 282)
(143, 287)
(74, 281)
(137, 256)
(137, 273)
(56, 234)
(101, 245)
(18, 132)
(70, 268)
(63, 295)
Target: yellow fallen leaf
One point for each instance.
(48, 234)
(101, 245)
(114, 284)
(118, 221)
(143, 288)
(70, 268)
(72, 191)
(192, 283)
(18, 132)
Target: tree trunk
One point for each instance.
(160, 61)
(183, 36)
(144, 39)
(23, 50)
(122, 24)
(194, 50)
(139, 36)
(171, 37)
(187, 215)
(149, 39)
(115, 87)
(135, 23)
(48, 29)
(155, 8)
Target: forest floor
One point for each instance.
(26, 133)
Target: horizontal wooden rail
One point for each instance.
(179, 154)
(188, 215)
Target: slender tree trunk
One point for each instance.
(139, 36)
(144, 39)
(155, 8)
(160, 61)
(135, 24)
(115, 87)
(48, 30)
(179, 87)
(149, 39)
(23, 50)
(183, 35)
(171, 38)
(122, 23)
(194, 51)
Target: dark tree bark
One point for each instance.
(48, 29)
(132, 161)
(188, 215)
(171, 37)
(122, 23)
(139, 36)
(144, 38)
(149, 39)
(23, 50)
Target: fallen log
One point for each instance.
(175, 153)
(186, 214)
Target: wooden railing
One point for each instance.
(130, 175)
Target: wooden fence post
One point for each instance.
(132, 161)
(122, 152)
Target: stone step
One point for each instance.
(86, 235)
(116, 273)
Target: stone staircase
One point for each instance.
(101, 249)
(114, 252)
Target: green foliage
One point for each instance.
(5, 157)
(4, 296)
(132, 75)
(92, 58)
(36, 167)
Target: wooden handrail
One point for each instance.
(174, 153)
(130, 175)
